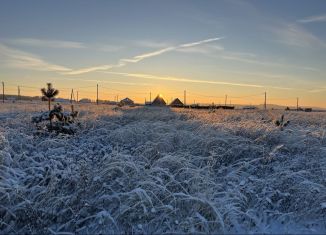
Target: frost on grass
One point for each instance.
(153, 170)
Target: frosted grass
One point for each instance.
(162, 171)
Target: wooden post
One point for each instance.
(265, 103)
(18, 93)
(297, 104)
(71, 94)
(97, 94)
(150, 97)
(3, 92)
(184, 97)
(77, 97)
(226, 100)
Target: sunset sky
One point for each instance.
(209, 48)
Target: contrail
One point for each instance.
(138, 58)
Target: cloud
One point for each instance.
(312, 19)
(294, 35)
(47, 43)
(318, 90)
(138, 58)
(178, 79)
(151, 44)
(110, 82)
(20, 59)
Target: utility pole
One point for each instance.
(18, 92)
(265, 103)
(77, 97)
(297, 104)
(97, 94)
(150, 96)
(226, 99)
(184, 97)
(71, 94)
(3, 92)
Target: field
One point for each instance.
(160, 170)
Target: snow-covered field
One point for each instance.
(159, 170)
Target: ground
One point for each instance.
(161, 170)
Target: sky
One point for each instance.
(131, 48)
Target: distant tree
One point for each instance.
(49, 93)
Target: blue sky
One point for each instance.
(210, 48)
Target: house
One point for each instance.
(159, 101)
(249, 108)
(127, 101)
(85, 100)
(176, 103)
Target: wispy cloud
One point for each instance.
(33, 42)
(109, 82)
(20, 59)
(151, 44)
(294, 35)
(138, 58)
(312, 19)
(318, 90)
(178, 79)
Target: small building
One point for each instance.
(159, 101)
(249, 108)
(85, 100)
(176, 103)
(308, 110)
(127, 101)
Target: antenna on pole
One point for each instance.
(3, 92)
(265, 103)
(97, 94)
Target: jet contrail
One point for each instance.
(138, 58)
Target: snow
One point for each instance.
(159, 170)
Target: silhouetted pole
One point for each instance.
(297, 104)
(18, 93)
(71, 94)
(3, 92)
(265, 103)
(226, 99)
(97, 94)
(184, 97)
(77, 97)
(150, 97)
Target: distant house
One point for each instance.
(176, 103)
(308, 110)
(85, 100)
(159, 101)
(249, 107)
(127, 101)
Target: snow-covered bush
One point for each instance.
(60, 121)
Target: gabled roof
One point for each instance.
(127, 100)
(159, 101)
(176, 102)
